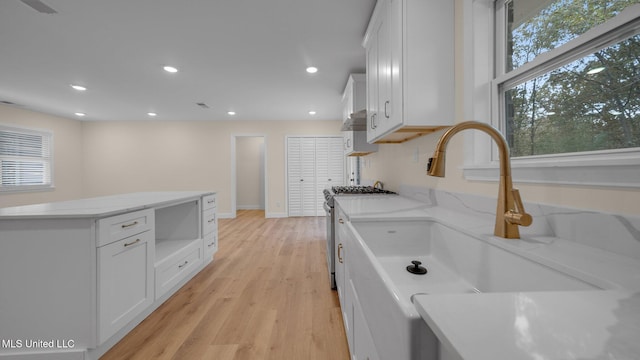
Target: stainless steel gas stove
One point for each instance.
(352, 190)
(329, 195)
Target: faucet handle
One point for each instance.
(518, 215)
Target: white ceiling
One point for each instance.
(248, 56)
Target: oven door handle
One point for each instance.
(326, 207)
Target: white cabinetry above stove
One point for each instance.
(355, 117)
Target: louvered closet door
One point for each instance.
(308, 166)
(294, 174)
(329, 166)
(301, 176)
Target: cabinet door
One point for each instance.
(363, 346)
(340, 253)
(347, 142)
(125, 282)
(347, 100)
(372, 83)
(385, 105)
(393, 53)
(384, 86)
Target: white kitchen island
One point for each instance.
(77, 276)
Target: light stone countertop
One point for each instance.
(536, 325)
(99, 206)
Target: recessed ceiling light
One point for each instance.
(80, 114)
(152, 114)
(78, 87)
(312, 112)
(312, 70)
(595, 71)
(231, 113)
(170, 69)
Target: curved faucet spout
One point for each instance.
(510, 210)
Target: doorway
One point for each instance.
(248, 175)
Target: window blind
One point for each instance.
(25, 158)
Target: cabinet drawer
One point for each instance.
(210, 245)
(209, 221)
(208, 202)
(178, 267)
(122, 226)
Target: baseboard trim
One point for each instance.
(272, 215)
(249, 207)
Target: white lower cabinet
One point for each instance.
(97, 270)
(125, 281)
(361, 345)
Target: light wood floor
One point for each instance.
(266, 296)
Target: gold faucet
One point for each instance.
(510, 210)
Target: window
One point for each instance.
(25, 159)
(585, 95)
(561, 80)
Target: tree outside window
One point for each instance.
(584, 104)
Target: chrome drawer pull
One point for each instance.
(132, 243)
(130, 225)
(210, 245)
(212, 220)
(341, 221)
(211, 201)
(183, 265)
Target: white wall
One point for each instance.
(249, 172)
(394, 164)
(104, 158)
(185, 155)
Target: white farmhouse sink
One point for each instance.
(456, 263)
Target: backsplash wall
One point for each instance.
(396, 164)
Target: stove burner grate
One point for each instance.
(359, 190)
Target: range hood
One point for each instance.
(357, 121)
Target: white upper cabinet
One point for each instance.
(353, 99)
(354, 125)
(410, 69)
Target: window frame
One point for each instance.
(49, 160)
(617, 168)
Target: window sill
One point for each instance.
(616, 169)
(26, 189)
